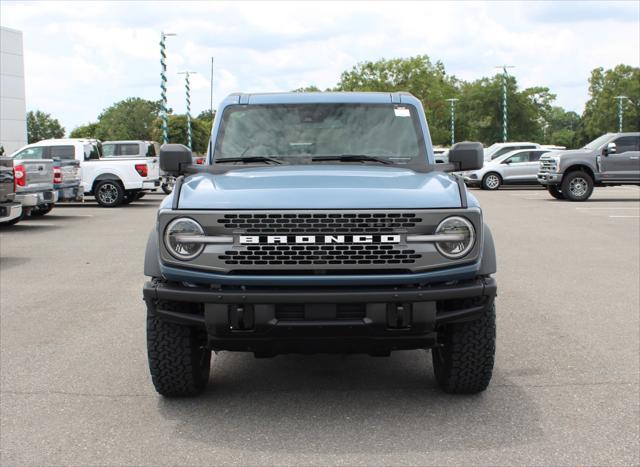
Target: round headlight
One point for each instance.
(457, 226)
(183, 227)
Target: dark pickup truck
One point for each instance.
(10, 210)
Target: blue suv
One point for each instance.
(320, 223)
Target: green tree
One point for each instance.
(560, 127)
(601, 110)
(311, 88)
(132, 118)
(206, 117)
(41, 126)
(418, 75)
(89, 130)
(178, 132)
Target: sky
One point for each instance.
(81, 57)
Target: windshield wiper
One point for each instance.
(247, 160)
(350, 158)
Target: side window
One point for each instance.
(30, 153)
(534, 156)
(128, 149)
(503, 151)
(627, 143)
(109, 150)
(91, 152)
(520, 157)
(62, 152)
(151, 150)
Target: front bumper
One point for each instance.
(272, 320)
(549, 178)
(10, 211)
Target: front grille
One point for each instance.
(333, 223)
(547, 165)
(319, 254)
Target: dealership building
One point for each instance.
(13, 123)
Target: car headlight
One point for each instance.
(174, 238)
(463, 230)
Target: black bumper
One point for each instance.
(268, 321)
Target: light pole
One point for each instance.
(187, 87)
(453, 101)
(505, 75)
(163, 87)
(621, 99)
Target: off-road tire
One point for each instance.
(179, 362)
(554, 190)
(577, 186)
(42, 210)
(464, 363)
(116, 193)
(489, 183)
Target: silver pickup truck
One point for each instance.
(34, 181)
(612, 159)
(10, 210)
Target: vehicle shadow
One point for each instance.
(26, 226)
(348, 404)
(8, 262)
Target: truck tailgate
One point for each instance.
(38, 172)
(70, 170)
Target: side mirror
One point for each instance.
(508, 162)
(175, 158)
(466, 156)
(610, 149)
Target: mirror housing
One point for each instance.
(175, 158)
(610, 149)
(466, 156)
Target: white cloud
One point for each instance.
(81, 57)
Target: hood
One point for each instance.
(320, 187)
(569, 152)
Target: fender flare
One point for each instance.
(488, 264)
(152, 256)
(106, 176)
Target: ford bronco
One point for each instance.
(320, 223)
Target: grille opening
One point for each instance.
(343, 311)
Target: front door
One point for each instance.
(516, 167)
(624, 164)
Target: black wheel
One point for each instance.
(577, 186)
(167, 186)
(464, 363)
(109, 193)
(491, 181)
(554, 190)
(179, 361)
(42, 210)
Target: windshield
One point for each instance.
(596, 143)
(296, 133)
(491, 149)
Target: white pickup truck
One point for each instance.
(111, 180)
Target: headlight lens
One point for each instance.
(459, 248)
(181, 250)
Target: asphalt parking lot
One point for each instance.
(75, 388)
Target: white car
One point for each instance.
(498, 149)
(111, 180)
(441, 155)
(515, 167)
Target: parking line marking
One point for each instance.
(628, 217)
(590, 208)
